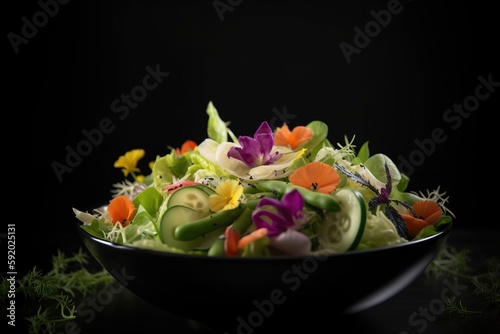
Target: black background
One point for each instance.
(255, 62)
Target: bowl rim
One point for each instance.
(127, 248)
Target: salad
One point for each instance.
(282, 191)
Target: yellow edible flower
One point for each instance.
(227, 196)
(128, 162)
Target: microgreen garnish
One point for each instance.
(51, 297)
(437, 196)
(454, 306)
(451, 262)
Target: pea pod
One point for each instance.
(317, 200)
(196, 228)
(243, 222)
(217, 248)
(193, 229)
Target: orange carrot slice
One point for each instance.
(249, 238)
(231, 241)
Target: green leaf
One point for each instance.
(376, 165)
(217, 129)
(151, 199)
(403, 183)
(162, 171)
(433, 229)
(93, 229)
(258, 248)
(364, 152)
(142, 217)
(320, 132)
(198, 162)
(404, 196)
(132, 233)
(180, 166)
(443, 221)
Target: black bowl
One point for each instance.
(241, 294)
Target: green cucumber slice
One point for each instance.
(178, 215)
(195, 197)
(342, 231)
(206, 189)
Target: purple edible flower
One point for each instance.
(256, 151)
(285, 214)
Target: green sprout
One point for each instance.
(451, 262)
(54, 294)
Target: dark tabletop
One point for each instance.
(419, 308)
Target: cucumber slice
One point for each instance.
(178, 215)
(341, 231)
(174, 216)
(195, 197)
(206, 189)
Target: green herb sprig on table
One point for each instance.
(50, 297)
(454, 306)
(452, 262)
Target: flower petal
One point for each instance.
(187, 146)
(121, 209)
(272, 221)
(292, 139)
(291, 242)
(280, 209)
(294, 203)
(250, 151)
(278, 169)
(256, 151)
(227, 196)
(217, 154)
(317, 176)
(282, 136)
(426, 208)
(278, 216)
(433, 218)
(264, 135)
(207, 149)
(301, 134)
(413, 224)
(236, 167)
(129, 161)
